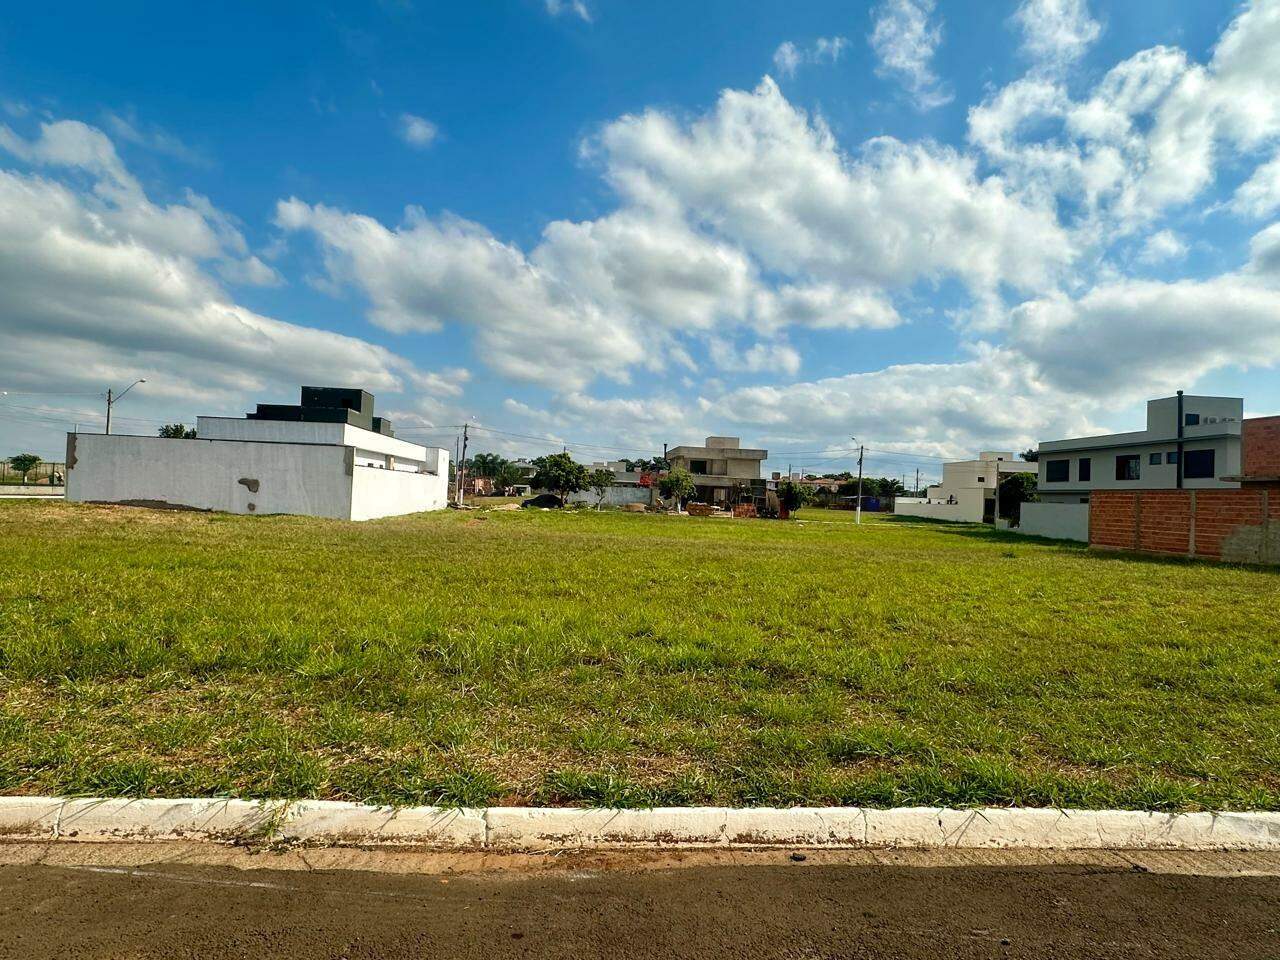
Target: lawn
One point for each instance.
(582, 657)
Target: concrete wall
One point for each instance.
(378, 492)
(966, 509)
(616, 496)
(1237, 525)
(298, 478)
(31, 490)
(1062, 521)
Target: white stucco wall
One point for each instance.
(378, 492)
(341, 434)
(615, 496)
(308, 479)
(1062, 521)
(966, 509)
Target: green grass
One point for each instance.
(583, 657)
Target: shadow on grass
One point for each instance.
(981, 531)
(978, 531)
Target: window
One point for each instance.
(1128, 467)
(982, 479)
(698, 466)
(1192, 420)
(1198, 465)
(1154, 460)
(1171, 457)
(1086, 469)
(1057, 471)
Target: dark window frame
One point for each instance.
(704, 464)
(1154, 459)
(1191, 420)
(1085, 470)
(1199, 464)
(1128, 467)
(1054, 467)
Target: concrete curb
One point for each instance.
(542, 828)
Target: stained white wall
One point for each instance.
(615, 496)
(299, 478)
(1062, 521)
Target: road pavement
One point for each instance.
(136, 901)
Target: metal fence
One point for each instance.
(43, 474)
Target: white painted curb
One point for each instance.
(540, 828)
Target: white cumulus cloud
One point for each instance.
(904, 41)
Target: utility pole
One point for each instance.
(113, 399)
(462, 469)
(916, 491)
(457, 469)
(861, 450)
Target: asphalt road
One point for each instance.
(769, 907)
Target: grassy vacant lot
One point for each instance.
(535, 657)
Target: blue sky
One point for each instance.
(940, 227)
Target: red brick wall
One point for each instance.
(1260, 446)
(1112, 520)
(1236, 525)
(1165, 521)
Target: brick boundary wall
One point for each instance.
(1241, 526)
(1260, 446)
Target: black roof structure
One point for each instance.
(328, 405)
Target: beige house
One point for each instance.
(719, 467)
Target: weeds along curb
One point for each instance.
(541, 828)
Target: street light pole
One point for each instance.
(858, 518)
(116, 399)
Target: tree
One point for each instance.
(24, 463)
(600, 481)
(1031, 456)
(1015, 490)
(793, 495)
(679, 484)
(486, 465)
(506, 477)
(652, 465)
(177, 431)
(560, 474)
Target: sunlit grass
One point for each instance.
(583, 657)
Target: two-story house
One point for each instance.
(1190, 442)
(968, 489)
(719, 467)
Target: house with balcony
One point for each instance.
(721, 468)
(1190, 442)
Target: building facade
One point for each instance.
(1190, 442)
(721, 468)
(326, 457)
(968, 489)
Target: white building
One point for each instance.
(1190, 442)
(627, 487)
(327, 457)
(967, 491)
